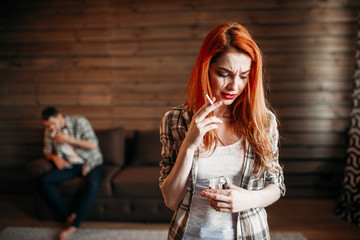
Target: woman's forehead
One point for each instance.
(233, 61)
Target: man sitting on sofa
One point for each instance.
(72, 146)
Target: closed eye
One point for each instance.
(222, 74)
(244, 77)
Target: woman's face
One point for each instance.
(229, 76)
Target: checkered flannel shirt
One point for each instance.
(79, 128)
(252, 224)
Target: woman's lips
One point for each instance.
(228, 96)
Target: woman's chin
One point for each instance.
(227, 102)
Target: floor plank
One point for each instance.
(313, 217)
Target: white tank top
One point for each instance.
(205, 222)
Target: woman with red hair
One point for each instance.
(232, 134)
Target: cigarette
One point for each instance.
(208, 98)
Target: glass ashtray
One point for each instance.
(218, 183)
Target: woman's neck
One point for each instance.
(223, 113)
(226, 132)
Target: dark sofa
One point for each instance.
(129, 191)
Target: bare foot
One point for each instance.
(71, 218)
(67, 233)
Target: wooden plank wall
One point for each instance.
(124, 63)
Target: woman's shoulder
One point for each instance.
(272, 117)
(179, 112)
(177, 118)
(273, 124)
(180, 108)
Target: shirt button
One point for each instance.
(239, 237)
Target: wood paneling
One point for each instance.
(124, 63)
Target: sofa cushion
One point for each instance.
(137, 182)
(111, 142)
(39, 167)
(74, 186)
(147, 148)
(105, 189)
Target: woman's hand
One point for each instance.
(235, 199)
(200, 124)
(231, 200)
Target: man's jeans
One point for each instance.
(92, 181)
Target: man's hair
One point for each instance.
(49, 112)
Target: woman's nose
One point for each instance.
(232, 83)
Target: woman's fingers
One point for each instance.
(219, 199)
(209, 121)
(210, 127)
(220, 206)
(200, 125)
(215, 194)
(207, 125)
(205, 110)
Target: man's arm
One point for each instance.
(81, 143)
(48, 150)
(59, 162)
(85, 137)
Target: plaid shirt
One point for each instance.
(79, 128)
(252, 224)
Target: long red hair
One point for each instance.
(249, 110)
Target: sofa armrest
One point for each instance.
(39, 167)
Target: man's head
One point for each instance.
(52, 119)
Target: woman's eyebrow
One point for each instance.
(224, 69)
(227, 70)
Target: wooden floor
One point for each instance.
(314, 218)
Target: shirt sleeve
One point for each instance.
(48, 145)
(167, 151)
(86, 131)
(276, 176)
(173, 129)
